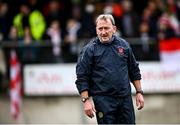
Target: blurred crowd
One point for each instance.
(64, 23)
(73, 19)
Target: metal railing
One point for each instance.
(143, 51)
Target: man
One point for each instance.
(104, 70)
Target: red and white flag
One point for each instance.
(170, 54)
(15, 85)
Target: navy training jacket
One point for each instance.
(107, 68)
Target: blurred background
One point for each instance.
(40, 41)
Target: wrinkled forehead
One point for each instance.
(104, 23)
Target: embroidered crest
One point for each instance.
(121, 50)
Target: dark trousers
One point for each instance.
(114, 110)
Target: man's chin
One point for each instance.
(105, 40)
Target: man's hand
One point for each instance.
(89, 108)
(139, 101)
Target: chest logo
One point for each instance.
(121, 50)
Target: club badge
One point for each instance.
(121, 50)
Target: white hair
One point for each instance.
(105, 17)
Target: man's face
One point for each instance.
(105, 29)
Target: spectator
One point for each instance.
(37, 23)
(174, 7)
(13, 34)
(56, 36)
(32, 19)
(144, 36)
(150, 16)
(169, 25)
(28, 52)
(71, 39)
(55, 10)
(4, 21)
(88, 21)
(21, 19)
(129, 20)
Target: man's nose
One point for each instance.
(103, 31)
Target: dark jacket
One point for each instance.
(107, 68)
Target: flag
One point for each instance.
(15, 85)
(170, 54)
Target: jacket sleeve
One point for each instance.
(133, 67)
(84, 68)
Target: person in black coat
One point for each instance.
(104, 70)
